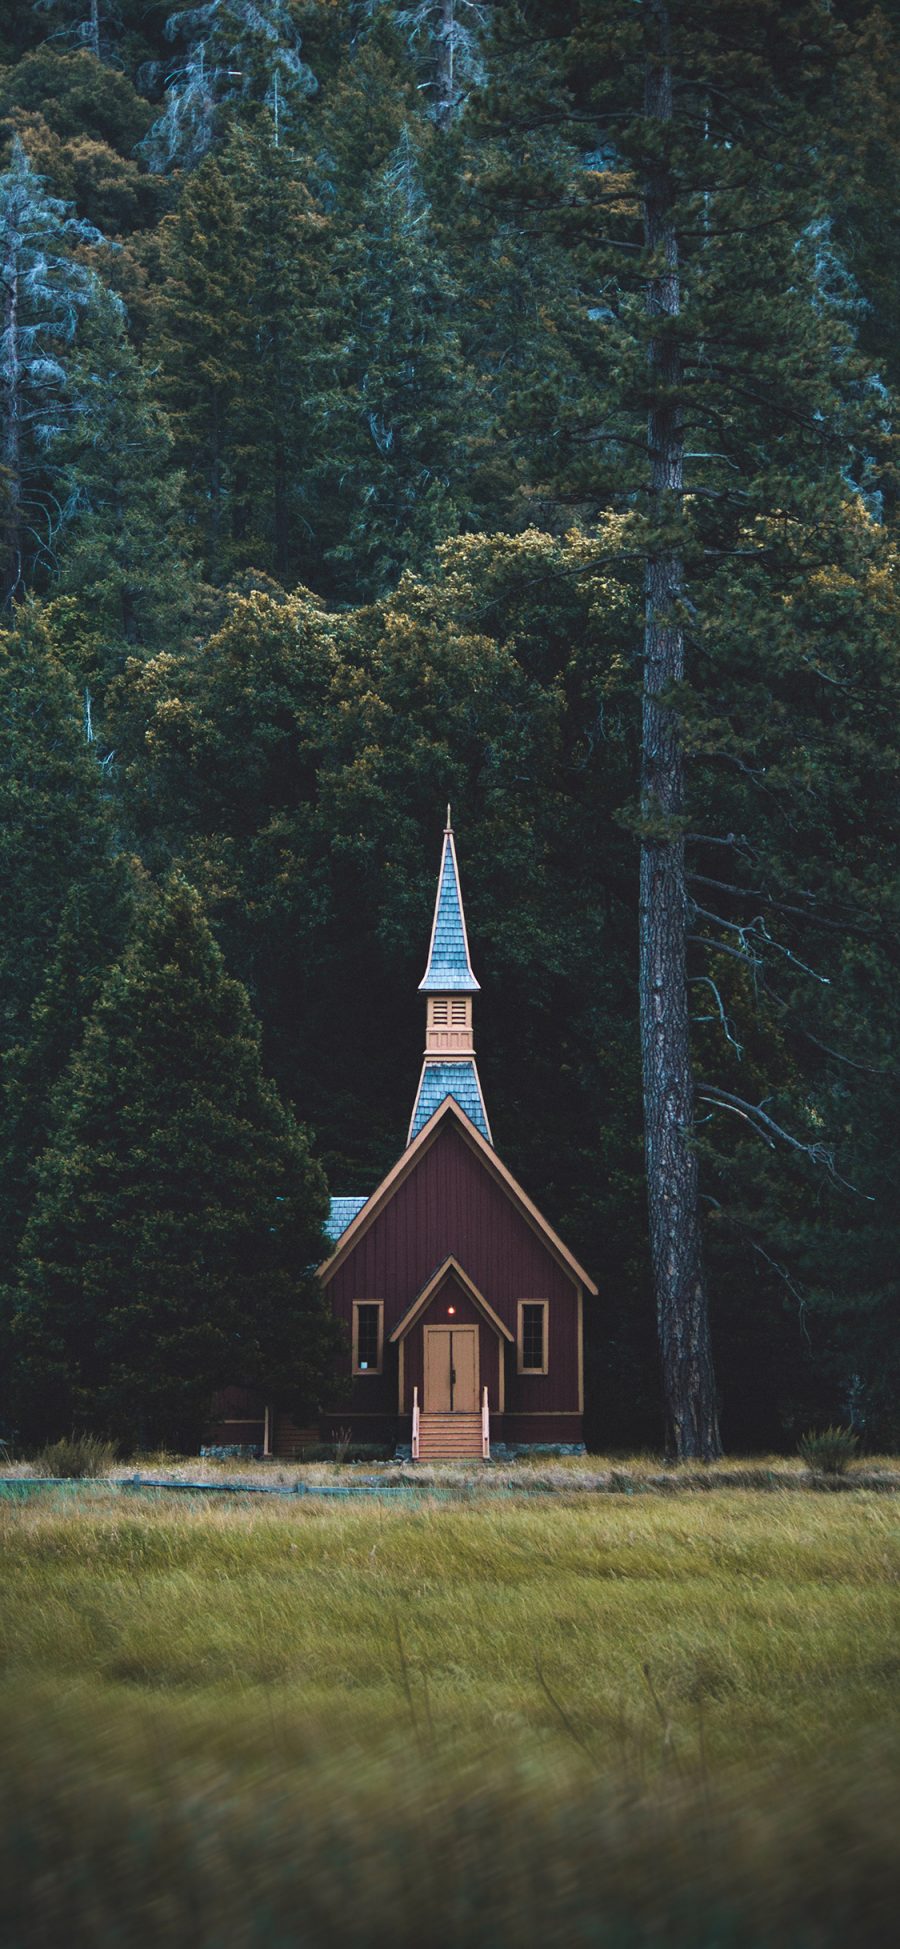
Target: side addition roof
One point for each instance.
(449, 969)
(458, 1079)
(341, 1214)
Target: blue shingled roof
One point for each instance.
(343, 1211)
(448, 969)
(456, 1079)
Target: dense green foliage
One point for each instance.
(177, 1215)
(323, 501)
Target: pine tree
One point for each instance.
(235, 53)
(248, 336)
(62, 894)
(79, 98)
(54, 823)
(401, 453)
(359, 119)
(290, 356)
(121, 553)
(45, 291)
(83, 23)
(179, 1211)
(89, 938)
(199, 343)
(793, 890)
(445, 38)
(724, 408)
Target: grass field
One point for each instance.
(613, 1721)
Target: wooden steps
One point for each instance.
(450, 1438)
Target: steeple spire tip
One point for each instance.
(449, 969)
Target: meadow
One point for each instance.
(500, 1720)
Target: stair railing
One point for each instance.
(485, 1428)
(415, 1428)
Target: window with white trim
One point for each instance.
(368, 1336)
(531, 1339)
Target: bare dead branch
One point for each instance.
(866, 1068)
(754, 930)
(772, 1132)
(723, 947)
(785, 906)
(707, 980)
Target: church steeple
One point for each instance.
(449, 1068)
(449, 969)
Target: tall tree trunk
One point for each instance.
(445, 61)
(11, 484)
(214, 518)
(94, 29)
(675, 1236)
(280, 478)
(282, 534)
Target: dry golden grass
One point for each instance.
(519, 1721)
(643, 1473)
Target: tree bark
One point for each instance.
(281, 524)
(11, 486)
(281, 536)
(446, 86)
(672, 1187)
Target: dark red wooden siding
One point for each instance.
(450, 1204)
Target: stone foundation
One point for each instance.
(236, 1451)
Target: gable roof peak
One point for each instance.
(449, 969)
(450, 1112)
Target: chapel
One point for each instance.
(463, 1308)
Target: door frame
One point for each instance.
(461, 1327)
(411, 1318)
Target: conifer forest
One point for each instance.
(484, 401)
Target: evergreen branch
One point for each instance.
(718, 839)
(838, 683)
(738, 229)
(756, 778)
(725, 376)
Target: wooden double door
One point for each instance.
(451, 1370)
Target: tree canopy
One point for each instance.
(405, 402)
(177, 1221)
